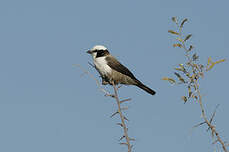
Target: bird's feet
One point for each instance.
(104, 82)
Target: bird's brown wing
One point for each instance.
(117, 66)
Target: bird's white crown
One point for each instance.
(99, 47)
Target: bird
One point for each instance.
(112, 71)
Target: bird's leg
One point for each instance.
(115, 83)
(104, 80)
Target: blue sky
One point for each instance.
(46, 104)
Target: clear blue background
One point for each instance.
(47, 105)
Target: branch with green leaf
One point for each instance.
(190, 73)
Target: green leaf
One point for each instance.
(189, 92)
(195, 57)
(201, 66)
(173, 32)
(181, 68)
(220, 61)
(211, 66)
(182, 23)
(174, 19)
(190, 48)
(184, 99)
(179, 77)
(169, 79)
(201, 74)
(179, 39)
(177, 45)
(187, 37)
(209, 61)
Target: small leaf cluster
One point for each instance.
(190, 72)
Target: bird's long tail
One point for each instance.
(147, 89)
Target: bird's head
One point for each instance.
(98, 51)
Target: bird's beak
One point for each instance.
(89, 52)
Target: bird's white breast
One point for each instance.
(101, 65)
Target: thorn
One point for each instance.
(114, 114)
(120, 124)
(213, 115)
(125, 100)
(122, 137)
(123, 144)
(226, 144)
(215, 142)
(199, 124)
(125, 118)
(109, 95)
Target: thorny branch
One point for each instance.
(212, 127)
(119, 111)
(192, 72)
(122, 118)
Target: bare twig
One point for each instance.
(119, 111)
(122, 119)
(213, 129)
